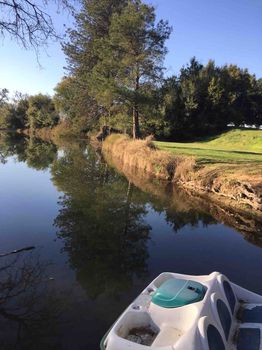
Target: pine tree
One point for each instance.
(82, 51)
(131, 58)
(116, 54)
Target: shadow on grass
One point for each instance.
(223, 156)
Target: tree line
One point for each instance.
(115, 76)
(27, 112)
(115, 64)
(206, 99)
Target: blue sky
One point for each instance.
(228, 31)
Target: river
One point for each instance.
(98, 240)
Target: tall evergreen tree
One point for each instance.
(131, 58)
(91, 26)
(117, 52)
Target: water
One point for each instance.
(98, 241)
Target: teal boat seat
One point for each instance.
(177, 292)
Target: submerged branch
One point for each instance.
(17, 251)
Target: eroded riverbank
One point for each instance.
(231, 185)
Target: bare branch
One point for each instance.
(28, 22)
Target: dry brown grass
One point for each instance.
(233, 182)
(144, 156)
(58, 132)
(183, 200)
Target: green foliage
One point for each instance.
(137, 45)
(119, 121)
(13, 116)
(206, 99)
(36, 153)
(16, 117)
(91, 26)
(4, 113)
(39, 154)
(115, 60)
(116, 55)
(20, 113)
(34, 112)
(41, 112)
(75, 106)
(4, 108)
(3, 96)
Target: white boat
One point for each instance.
(183, 312)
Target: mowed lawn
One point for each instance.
(233, 146)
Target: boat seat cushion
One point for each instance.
(248, 339)
(253, 315)
(224, 316)
(229, 295)
(214, 339)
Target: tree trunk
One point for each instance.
(136, 129)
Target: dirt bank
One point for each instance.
(186, 202)
(235, 185)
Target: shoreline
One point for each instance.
(248, 224)
(217, 183)
(226, 184)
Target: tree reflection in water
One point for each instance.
(37, 154)
(103, 226)
(102, 215)
(29, 306)
(182, 207)
(101, 223)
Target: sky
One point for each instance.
(228, 31)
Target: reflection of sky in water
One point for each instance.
(29, 206)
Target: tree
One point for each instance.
(21, 107)
(41, 112)
(3, 96)
(91, 25)
(116, 55)
(75, 106)
(17, 117)
(4, 108)
(13, 113)
(131, 58)
(207, 99)
(28, 22)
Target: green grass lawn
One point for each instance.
(232, 146)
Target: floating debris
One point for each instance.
(142, 335)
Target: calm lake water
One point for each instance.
(98, 241)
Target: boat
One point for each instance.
(184, 312)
